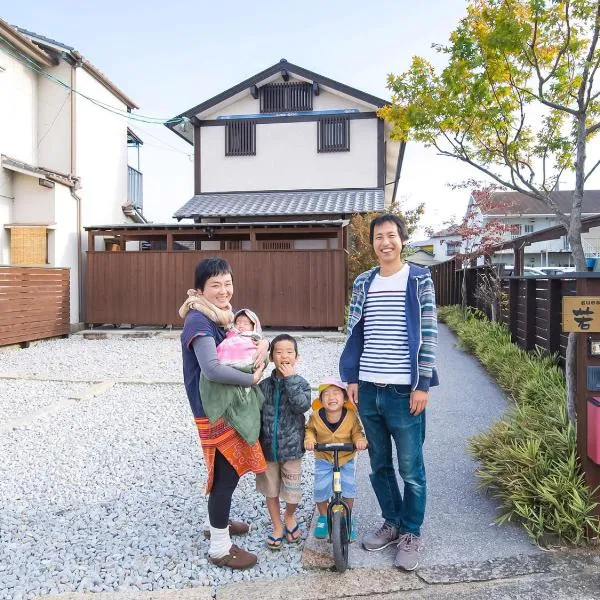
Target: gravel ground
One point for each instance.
(148, 359)
(106, 494)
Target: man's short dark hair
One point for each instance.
(389, 218)
(282, 337)
(210, 267)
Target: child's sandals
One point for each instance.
(274, 543)
(289, 534)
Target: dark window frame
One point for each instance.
(333, 134)
(292, 96)
(240, 138)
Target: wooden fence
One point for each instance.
(531, 307)
(34, 304)
(304, 288)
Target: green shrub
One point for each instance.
(528, 460)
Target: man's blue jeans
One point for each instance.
(385, 414)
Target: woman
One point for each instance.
(207, 313)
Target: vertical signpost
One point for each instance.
(581, 314)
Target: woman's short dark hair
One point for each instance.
(389, 218)
(210, 267)
(282, 337)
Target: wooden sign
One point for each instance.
(581, 313)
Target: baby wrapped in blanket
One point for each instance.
(239, 406)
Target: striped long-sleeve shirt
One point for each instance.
(385, 357)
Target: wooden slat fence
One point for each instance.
(531, 307)
(300, 288)
(34, 304)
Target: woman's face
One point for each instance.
(218, 290)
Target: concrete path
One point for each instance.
(458, 527)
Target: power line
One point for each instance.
(23, 59)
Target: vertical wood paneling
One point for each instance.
(304, 288)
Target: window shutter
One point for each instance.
(28, 246)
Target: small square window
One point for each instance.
(240, 138)
(334, 134)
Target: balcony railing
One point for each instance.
(135, 188)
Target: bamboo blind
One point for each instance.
(28, 246)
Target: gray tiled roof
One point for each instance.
(514, 203)
(304, 202)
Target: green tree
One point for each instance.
(361, 256)
(518, 100)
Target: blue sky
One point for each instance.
(170, 56)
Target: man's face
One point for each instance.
(387, 243)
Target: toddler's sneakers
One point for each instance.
(321, 531)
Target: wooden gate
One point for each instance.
(288, 288)
(34, 304)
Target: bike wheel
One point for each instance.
(339, 538)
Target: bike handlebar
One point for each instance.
(334, 447)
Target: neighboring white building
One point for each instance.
(64, 159)
(441, 246)
(527, 215)
(289, 143)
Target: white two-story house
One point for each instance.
(63, 155)
(524, 215)
(292, 145)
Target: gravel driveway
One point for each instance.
(104, 493)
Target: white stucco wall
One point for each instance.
(101, 155)
(33, 202)
(324, 101)
(18, 110)
(6, 211)
(54, 120)
(287, 158)
(62, 242)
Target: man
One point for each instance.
(389, 365)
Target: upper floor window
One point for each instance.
(240, 138)
(453, 248)
(527, 229)
(515, 231)
(334, 134)
(284, 97)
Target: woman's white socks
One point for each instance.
(220, 542)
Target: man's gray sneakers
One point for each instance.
(407, 557)
(385, 536)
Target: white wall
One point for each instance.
(33, 202)
(54, 120)
(18, 110)
(6, 210)
(287, 158)
(63, 241)
(101, 155)
(247, 105)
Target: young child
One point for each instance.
(287, 398)
(333, 420)
(240, 406)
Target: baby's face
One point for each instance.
(243, 324)
(332, 398)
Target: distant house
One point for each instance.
(441, 246)
(288, 144)
(526, 215)
(64, 156)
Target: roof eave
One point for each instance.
(25, 45)
(292, 68)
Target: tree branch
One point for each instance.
(591, 171)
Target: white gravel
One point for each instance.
(106, 494)
(147, 359)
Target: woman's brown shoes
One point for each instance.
(238, 558)
(235, 528)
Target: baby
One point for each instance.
(240, 406)
(333, 420)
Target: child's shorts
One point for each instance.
(324, 476)
(283, 480)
